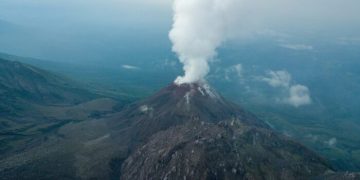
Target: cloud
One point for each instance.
(298, 47)
(348, 40)
(299, 95)
(170, 63)
(272, 33)
(312, 137)
(125, 66)
(238, 69)
(331, 142)
(233, 72)
(278, 79)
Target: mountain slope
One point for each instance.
(186, 131)
(228, 150)
(35, 103)
(25, 82)
(27, 92)
(175, 105)
(190, 131)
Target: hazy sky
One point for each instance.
(313, 13)
(59, 13)
(67, 29)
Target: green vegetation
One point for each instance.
(35, 103)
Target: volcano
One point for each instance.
(186, 131)
(189, 131)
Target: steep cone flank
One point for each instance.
(191, 132)
(227, 150)
(177, 104)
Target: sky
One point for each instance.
(63, 13)
(83, 30)
(89, 30)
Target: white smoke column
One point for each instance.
(198, 30)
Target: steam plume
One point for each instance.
(198, 30)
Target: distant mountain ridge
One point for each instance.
(35, 103)
(6, 26)
(24, 81)
(24, 87)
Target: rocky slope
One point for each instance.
(227, 150)
(175, 105)
(197, 134)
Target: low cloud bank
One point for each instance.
(234, 72)
(125, 66)
(298, 95)
(298, 47)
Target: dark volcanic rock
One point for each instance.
(339, 176)
(226, 150)
(175, 105)
(191, 132)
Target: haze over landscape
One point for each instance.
(151, 89)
